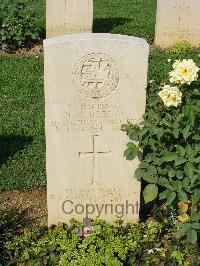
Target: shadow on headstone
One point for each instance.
(11, 144)
(105, 25)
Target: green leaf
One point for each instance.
(177, 184)
(164, 182)
(186, 182)
(179, 174)
(196, 226)
(171, 173)
(175, 132)
(180, 160)
(188, 169)
(150, 157)
(193, 208)
(139, 173)
(170, 156)
(192, 236)
(132, 151)
(170, 197)
(182, 196)
(193, 179)
(196, 92)
(150, 192)
(186, 132)
(191, 116)
(144, 165)
(189, 150)
(196, 137)
(196, 160)
(183, 229)
(181, 150)
(152, 143)
(195, 217)
(150, 179)
(142, 132)
(152, 170)
(163, 195)
(196, 196)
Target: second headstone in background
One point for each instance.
(177, 20)
(68, 17)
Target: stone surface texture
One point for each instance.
(93, 84)
(68, 17)
(177, 20)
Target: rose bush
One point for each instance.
(170, 139)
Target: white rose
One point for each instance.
(184, 72)
(171, 96)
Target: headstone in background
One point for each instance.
(93, 84)
(68, 17)
(177, 20)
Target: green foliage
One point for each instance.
(170, 138)
(10, 224)
(147, 243)
(180, 47)
(18, 24)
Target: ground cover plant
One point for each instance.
(149, 243)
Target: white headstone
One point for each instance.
(93, 84)
(68, 17)
(177, 20)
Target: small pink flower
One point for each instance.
(85, 231)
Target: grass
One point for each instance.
(22, 139)
(22, 145)
(131, 17)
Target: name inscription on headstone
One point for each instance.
(90, 118)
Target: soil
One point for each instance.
(35, 50)
(30, 203)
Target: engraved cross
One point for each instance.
(95, 155)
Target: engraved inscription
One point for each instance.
(181, 4)
(179, 33)
(91, 118)
(95, 76)
(98, 194)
